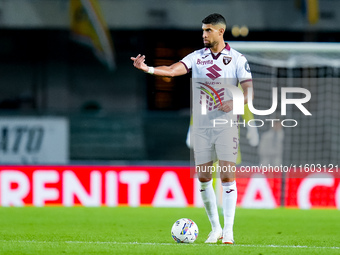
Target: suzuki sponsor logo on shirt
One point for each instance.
(214, 72)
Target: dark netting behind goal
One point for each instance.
(313, 66)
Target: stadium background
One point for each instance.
(119, 116)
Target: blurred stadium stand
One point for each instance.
(125, 114)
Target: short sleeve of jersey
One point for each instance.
(189, 60)
(243, 69)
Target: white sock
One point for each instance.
(229, 205)
(210, 205)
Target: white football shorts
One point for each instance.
(211, 144)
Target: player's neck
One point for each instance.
(218, 47)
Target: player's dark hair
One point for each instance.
(214, 19)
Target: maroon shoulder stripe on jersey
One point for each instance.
(188, 70)
(246, 81)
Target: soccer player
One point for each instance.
(213, 66)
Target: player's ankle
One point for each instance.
(216, 229)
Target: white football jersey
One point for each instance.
(211, 76)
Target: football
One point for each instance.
(184, 231)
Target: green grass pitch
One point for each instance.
(146, 230)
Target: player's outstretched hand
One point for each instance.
(138, 62)
(226, 106)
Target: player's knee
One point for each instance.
(227, 180)
(202, 179)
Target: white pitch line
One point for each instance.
(167, 244)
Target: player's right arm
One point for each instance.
(173, 70)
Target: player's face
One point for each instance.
(211, 35)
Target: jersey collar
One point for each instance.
(225, 50)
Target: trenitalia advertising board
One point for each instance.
(156, 186)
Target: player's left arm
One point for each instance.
(246, 84)
(252, 133)
(244, 76)
(227, 106)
